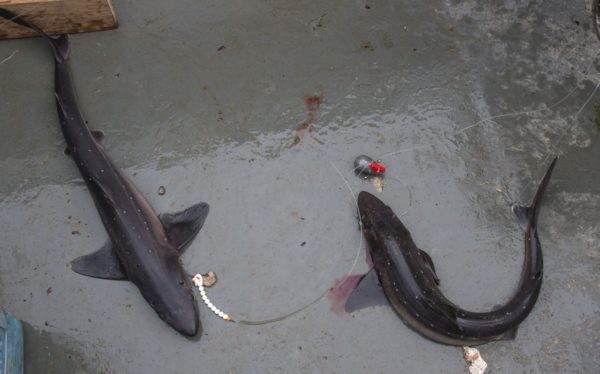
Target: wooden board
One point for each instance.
(57, 17)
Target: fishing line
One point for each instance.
(9, 57)
(197, 280)
(318, 298)
(564, 133)
(428, 145)
(492, 118)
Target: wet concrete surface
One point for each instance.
(464, 102)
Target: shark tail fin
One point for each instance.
(59, 45)
(525, 213)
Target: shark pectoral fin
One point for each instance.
(183, 226)
(429, 264)
(367, 293)
(98, 136)
(522, 213)
(102, 264)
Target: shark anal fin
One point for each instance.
(510, 334)
(102, 264)
(183, 226)
(367, 293)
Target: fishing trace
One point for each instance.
(541, 112)
(538, 113)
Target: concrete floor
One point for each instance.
(204, 99)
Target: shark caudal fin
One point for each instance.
(59, 45)
(526, 213)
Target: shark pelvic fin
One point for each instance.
(183, 226)
(444, 310)
(98, 135)
(367, 293)
(102, 264)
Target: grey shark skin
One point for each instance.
(408, 279)
(144, 247)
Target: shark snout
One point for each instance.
(367, 201)
(186, 322)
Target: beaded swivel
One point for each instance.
(198, 282)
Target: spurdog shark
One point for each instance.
(144, 247)
(406, 275)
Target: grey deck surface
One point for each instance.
(399, 81)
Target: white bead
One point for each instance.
(198, 281)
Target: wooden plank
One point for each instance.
(57, 17)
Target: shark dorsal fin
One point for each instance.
(428, 263)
